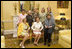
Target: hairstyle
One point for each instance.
(23, 10)
(49, 8)
(23, 19)
(36, 9)
(48, 15)
(43, 9)
(36, 18)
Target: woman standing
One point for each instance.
(42, 15)
(21, 17)
(23, 29)
(35, 13)
(37, 27)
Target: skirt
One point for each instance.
(24, 34)
(37, 33)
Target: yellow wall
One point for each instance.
(7, 10)
(56, 11)
(1, 11)
(7, 13)
(27, 5)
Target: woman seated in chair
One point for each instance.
(37, 27)
(23, 29)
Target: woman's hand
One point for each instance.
(29, 34)
(18, 24)
(46, 26)
(39, 29)
(50, 27)
(36, 30)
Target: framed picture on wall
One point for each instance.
(62, 4)
(27, 5)
(21, 5)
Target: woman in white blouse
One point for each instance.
(21, 17)
(37, 27)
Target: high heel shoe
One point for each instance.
(22, 46)
(35, 44)
(20, 43)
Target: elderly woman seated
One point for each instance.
(23, 29)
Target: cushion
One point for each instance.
(64, 44)
(66, 38)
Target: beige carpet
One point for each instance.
(14, 43)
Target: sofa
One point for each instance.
(65, 38)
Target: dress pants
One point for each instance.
(48, 34)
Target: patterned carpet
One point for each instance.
(11, 42)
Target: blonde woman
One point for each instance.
(23, 29)
(37, 27)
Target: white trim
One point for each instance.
(15, 16)
(9, 32)
(14, 32)
(8, 21)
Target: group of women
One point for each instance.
(35, 21)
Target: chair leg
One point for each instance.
(30, 38)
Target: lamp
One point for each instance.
(63, 16)
(61, 20)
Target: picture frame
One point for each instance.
(62, 4)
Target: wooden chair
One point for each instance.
(21, 37)
(33, 36)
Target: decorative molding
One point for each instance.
(9, 31)
(15, 20)
(15, 15)
(14, 32)
(7, 21)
